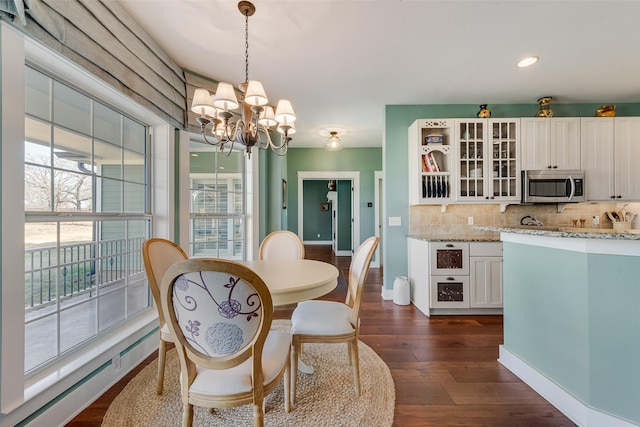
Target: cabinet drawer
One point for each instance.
(485, 249)
(449, 292)
(449, 258)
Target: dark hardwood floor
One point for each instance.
(445, 368)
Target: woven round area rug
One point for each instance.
(324, 398)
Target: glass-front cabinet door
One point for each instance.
(505, 173)
(487, 160)
(472, 140)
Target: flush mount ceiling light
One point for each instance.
(528, 61)
(333, 143)
(252, 129)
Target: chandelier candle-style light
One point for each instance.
(333, 143)
(257, 117)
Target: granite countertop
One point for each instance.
(560, 231)
(429, 238)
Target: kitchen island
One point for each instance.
(572, 320)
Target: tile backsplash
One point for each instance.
(429, 220)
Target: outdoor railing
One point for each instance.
(78, 268)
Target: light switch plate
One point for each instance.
(395, 221)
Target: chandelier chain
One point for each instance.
(246, 48)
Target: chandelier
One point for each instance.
(254, 126)
(333, 143)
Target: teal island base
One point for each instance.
(572, 324)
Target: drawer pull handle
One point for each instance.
(449, 245)
(450, 278)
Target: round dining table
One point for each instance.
(292, 281)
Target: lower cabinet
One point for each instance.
(469, 283)
(486, 282)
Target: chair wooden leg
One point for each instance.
(294, 370)
(258, 415)
(162, 357)
(287, 387)
(187, 415)
(355, 362)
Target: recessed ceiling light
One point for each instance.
(194, 155)
(528, 61)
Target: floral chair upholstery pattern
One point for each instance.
(226, 329)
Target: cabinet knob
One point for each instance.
(613, 197)
(555, 167)
(618, 197)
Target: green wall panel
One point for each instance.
(317, 223)
(344, 216)
(363, 160)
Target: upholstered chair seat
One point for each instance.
(317, 317)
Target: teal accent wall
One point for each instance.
(317, 221)
(398, 118)
(363, 160)
(263, 196)
(344, 216)
(276, 215)
(573, 317)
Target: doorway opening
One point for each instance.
(346, 202)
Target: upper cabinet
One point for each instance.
(610, 155)
(431, 161)
(487, 160)
(464, 160)
(550, 143)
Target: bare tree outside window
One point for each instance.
(67, 191)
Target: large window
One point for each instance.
(217, 208)
(86, 216)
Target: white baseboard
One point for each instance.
(574, 409)
(387, 294)
(317, 242)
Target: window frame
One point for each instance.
(22, 396)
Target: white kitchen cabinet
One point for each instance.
(430, 162)
(610, 155)
(487, 160)
(447, 277)
(485, 275)
(550, 143)
(418, 255)
(486, 282)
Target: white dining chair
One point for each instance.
(281, 244)
(219, 313)
(319, 321)
(158, 255)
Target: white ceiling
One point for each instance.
(340, 62)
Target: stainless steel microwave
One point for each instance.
(553, 186)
